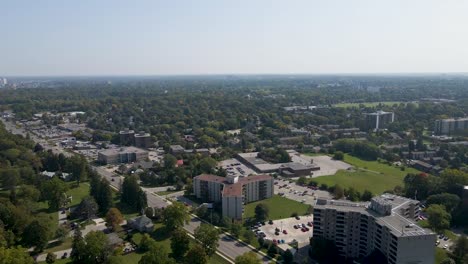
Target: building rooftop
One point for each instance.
(122, 150)
(127, 131)
(397, 224)
(232, 189)
(380, 112)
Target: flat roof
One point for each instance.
(232, 189)
(122, 150)
(396, 223)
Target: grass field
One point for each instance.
(280, 207)
(440, 254)
(368, 104)
(371, 175)
(77, 193)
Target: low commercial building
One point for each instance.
(232, 192)
(122, 155)
(385, 224)
(288, 169)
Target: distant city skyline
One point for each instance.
(151, 38)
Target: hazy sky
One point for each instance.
(149, 37)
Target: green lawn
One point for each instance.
(280, 207)
(77, 193)
(368, 104)
(371, 175)
(164, 193)
(440, 254)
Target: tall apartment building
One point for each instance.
(233, 192)
(142, 140)
(122, 155)
(127, 137)
(379, 119)
(448, 126)
(386, 224)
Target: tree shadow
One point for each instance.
(161, 234)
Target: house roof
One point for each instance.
(141, 220)
(114, 239)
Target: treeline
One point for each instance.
(445, 189)
(24, 221)
(362, 149)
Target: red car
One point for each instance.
(285, 232)
(310, 224)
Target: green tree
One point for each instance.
(249, 236)
(301, 181)
(247, 258)
(77, 254)
(208, 236)
(339, 155)
(261, 212)
(460, 250)
(157, 254)
(196, 255)
(114, 218)
(236, 229)
(175, 215)
(366, 195)
(180, 243)
(37, 234)
(132, 194)
(50, 258)
(104, 196)
(288, 257)
(97, 249)
(448, 261)
(54, 192)
(208, 165)
(438, 217)
(169, 161)
(450, 201)
(62, 233)
(338, 192)
(272, 250)
(87, 208)
(15, 256)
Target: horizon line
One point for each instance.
(233, 74)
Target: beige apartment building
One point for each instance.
(386, 223)
(233, 192)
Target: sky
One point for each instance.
(175, 37)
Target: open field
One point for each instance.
(369, 104)
(371, 175)
(279, 207)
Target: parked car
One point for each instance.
(297, 217)
(285, 232)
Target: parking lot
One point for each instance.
(444, 242)
(286, 230)
(299, 193)
(328, 166)
(236, 168)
